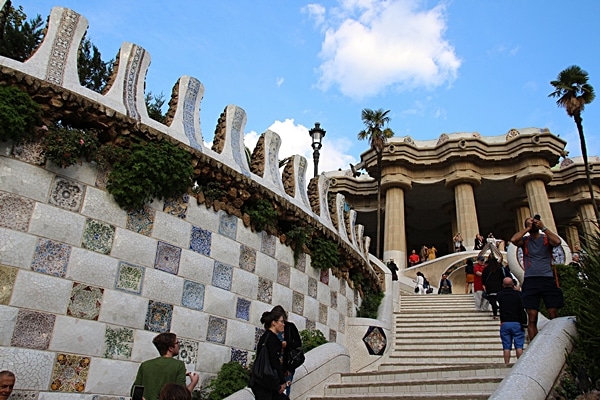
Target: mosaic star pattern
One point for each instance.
(141, 221)
(51, 257)
(98, 236)
(375, 340)
(158, 317)
(85, 301)
(129, 277)
(70, 373)
(66, 193)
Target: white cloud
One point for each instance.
(279, 81)
(296, 140)
(374, 45)
(316, 12)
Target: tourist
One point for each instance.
(479, 242)
(481, 304)
(492, 283)
(173, 391)
(511, 330)
(394, 269)
(539, 281)
(420, 283)
(424, 253)
(431, 253)
(290, 340)
(469, 276)
(413, 259)
(7, 383)
(154, 374)
(457, 239)
(445, 286)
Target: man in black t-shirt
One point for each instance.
(511, 309)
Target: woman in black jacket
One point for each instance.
(274, 323)
(492, 282)
(290, 339)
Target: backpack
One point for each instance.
(425, 283)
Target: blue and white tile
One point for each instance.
(74, 335)
(201, 240)
(196, 267)
(193, 295)
(110, 377)
(244, 283)
(123, 309)
(25, 180)
(225, 250)
(56, 223)
(219, 302)
(33, 367)
(156, 283)
(240, 334)
(99, 204)
(134, 248)
(242, 308)
(189, 323)
(266, 266)
(8, 316)
(228, 225)
(41, 292)
(222, 275)
(51, 257)
(172, 230)
(17, 248)
(92, 268)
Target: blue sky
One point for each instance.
(438, 66)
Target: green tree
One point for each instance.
(19, 37)
(154, 105)
(573, 92)
(93, 72)
(377, 133)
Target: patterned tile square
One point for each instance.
(258, 332)
(342, 324)
(268, 244)
(375, 340)
(343, 288)
(177, 207)
(350, 310)
(312, 287)
(66, 193)
(98, 236)
(239, 356)
(85, 301)
(298, 303)
(323, 314)
(200, 240)
(158, 317)
(333, 295)
(222, 275)
(356, 297)
(265, 290)
(129, 277)
(188, 352)
(247, 258)
(118, 342)
(193, 295)
(7, 282)
(217, 330)
(141, 221)
(24, 395)
(33, 330)
(15, 211)
(301, 262)
(51, 257)
(30, 152)
(242, 309)
(324, 276)
(70, 373)
(167, 258)
(332, 336)
(311, 325)
(228, 225)
(283, 274)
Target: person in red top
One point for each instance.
(481, 304)
(414, 258)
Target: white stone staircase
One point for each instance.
(442, 349)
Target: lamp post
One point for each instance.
(317, 134)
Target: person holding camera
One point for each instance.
(539, 281)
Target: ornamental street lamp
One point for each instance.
(317, 134)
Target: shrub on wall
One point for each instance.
(231, 377)
(66, 146)
(262, 214)
(311, 338)
(19, 114)
(324, 253)
(151, 170)
(297, 236)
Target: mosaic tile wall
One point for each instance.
(85, 285)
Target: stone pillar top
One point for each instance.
(533, 172)
(464, 176)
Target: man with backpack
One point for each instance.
(539, 280)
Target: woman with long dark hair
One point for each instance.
(492, 282)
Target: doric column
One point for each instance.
(394, 241)
(522, 213)
(572, 237)
(586, 210)
(534, 179)
(464, 198)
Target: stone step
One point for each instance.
(463, 357)
(418, 367)
(490, 343)
(448, 327)
(412, 396)
(446, 337)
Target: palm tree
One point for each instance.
(573, 91)
(377, 133)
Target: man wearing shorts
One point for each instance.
(511, 331)
(539, 282)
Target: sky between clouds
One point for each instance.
(438, 66)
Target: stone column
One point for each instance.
(464, 198)
(586, 210)
(534, 178)
(394, 240)
(572, 237)
(522, 214)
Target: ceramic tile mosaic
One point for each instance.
(247, 258)
(268, 244)
(98, 236)
(51, 257)
(356, 297)
(311, 325)
(242, 309)
(7, 282)
(193, 295)
(33, 329)
(298, 303)
(258, 332)
(167, 258)
(301, 262)
(375, 340)
(30, 152)
(200, 240)
(177, 206)
(350, 310)
(217, 330)
(66, 193)
(332, 336)
(129, 277)
(222, 275)
(141, 221)
(228, 225)
(15, 211)
(312, 287)
(324, 276)
(85, 301)
(343, 288)
(118, 342)
(24, 395)
(188, 352)
(283, 274)
(333, 301)
(239, 356)
(342, 324)
(323, 314)
(70, 373)
(265, 290)
(158, 317)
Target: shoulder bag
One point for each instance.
(263, 373)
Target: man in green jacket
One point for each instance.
(154, 374)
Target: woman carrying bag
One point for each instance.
(291, 343)
(269, 389)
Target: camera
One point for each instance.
(537, 217)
